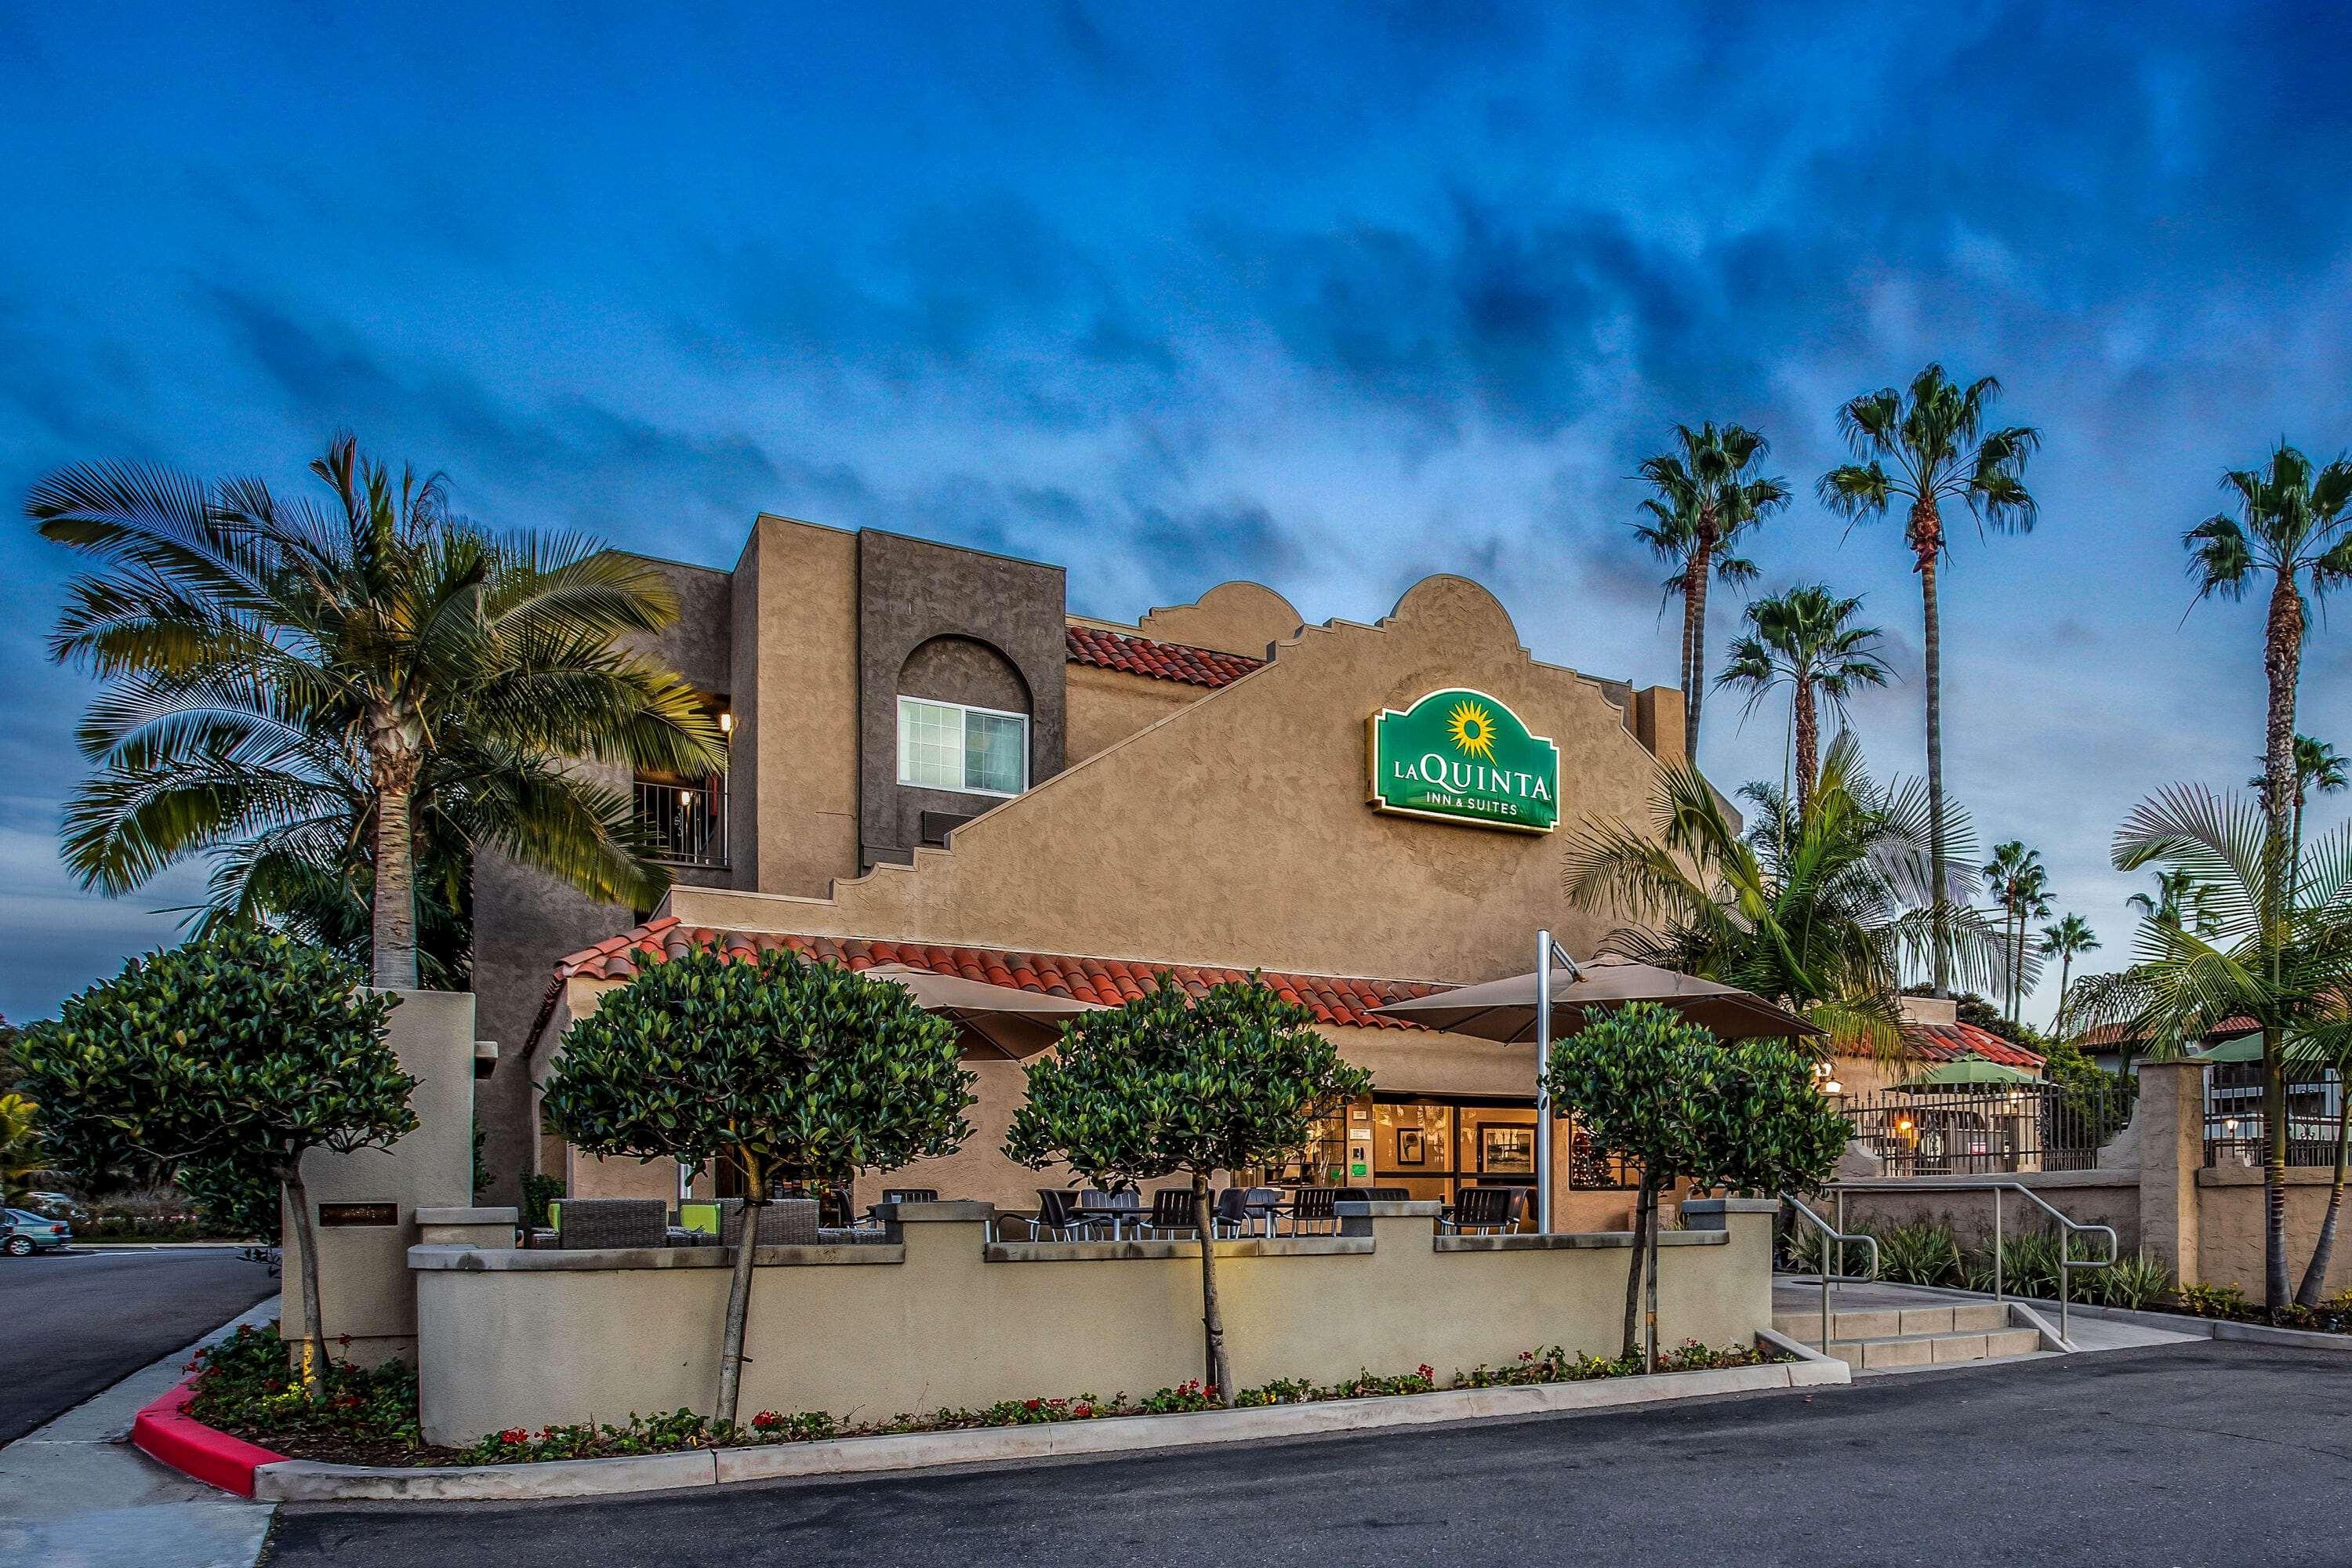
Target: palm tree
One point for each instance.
(1709, 495)
(2177, 899)
(2317, 767)
(2065, 942)
(2279, 952)
(1824, 913)
(1927, 445)
(2291, 526)
(1804, 637)
(287, 683)
(2020, 884)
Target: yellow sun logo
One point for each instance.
(1472, 730)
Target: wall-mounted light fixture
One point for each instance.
(726, 724)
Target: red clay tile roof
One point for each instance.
(1160, 660)
(2105, 1036)
(1332, 999)
(1949, 1042)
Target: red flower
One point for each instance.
(1032, 1405)
(514, 1435)
(1082, 1410)
(766, 1421)
(1526, 1355)
(1428, 1372)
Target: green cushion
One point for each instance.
(701, 1219)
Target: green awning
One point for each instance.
(1966, 1071)
(2244, 1049)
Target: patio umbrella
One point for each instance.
(996, 1020)
(1966, 1071)
(1505, 1009)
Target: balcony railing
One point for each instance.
(686, 822)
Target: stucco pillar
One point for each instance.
(364, 1205)
(2170, 1137)
(1748, 1268)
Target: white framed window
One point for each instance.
(972, 751)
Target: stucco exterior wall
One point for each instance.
(363, 1285)
(1240, 617)
(2087, 1197)
(794, 826)
(1107, 706)
(516, 1339)
(1239, 834)
(2230, 1227)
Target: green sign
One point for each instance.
(1461, 756)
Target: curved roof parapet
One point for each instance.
(1470, 608)
(1239, 617)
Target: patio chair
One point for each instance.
(613, 1222)
(1232, 1215)
(1261, 1206)
(1485, 1210)
(1389, 1195)
(1171, 1209)
(785, 1222)
(1100, 1210)
(1314, 1206)
(1058, 1211)
(891, 1196)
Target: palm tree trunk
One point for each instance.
(1695, 598)
(2065, 966)
(1220, 1372)
(739, 1294)
(312, 1353)
(1809, 744)
(1644, 1211)
(1926, 541)
(394, 945)
(1687, 653)
(2315, 1278)
(2282, 665)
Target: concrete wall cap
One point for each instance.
(1125, 1251)
(1732, 1205)
(621, 1259)
(946, 1211)
(1571, 1241)
(469, 1217)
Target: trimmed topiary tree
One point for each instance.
(231, 1056)
(1169, 1086)
(1685, 1106)
(793, 1070)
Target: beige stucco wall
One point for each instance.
(363, 1285)
(1238, 834)
(2087, 1197)
(794, 749)
(2230, 1228)
(959, 1322)
(1239, 617)
(1105, 706)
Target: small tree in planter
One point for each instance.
(794, 1070)
(1169, 1086)
(233, 1056)
(1687, 1107)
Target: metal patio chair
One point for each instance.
(1486, 1210)
(1314, 1207)
(1172, 1210)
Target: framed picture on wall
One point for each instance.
(1411, 1150)
(1507, 1151)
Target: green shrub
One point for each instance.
(1926, 1253)
(245, 1387)
(2210, 1300)
(537, 1192)
(2133, 1282)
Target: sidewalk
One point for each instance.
(76, 1494)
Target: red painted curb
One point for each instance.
(166, 1433)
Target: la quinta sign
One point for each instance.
(1461, 756)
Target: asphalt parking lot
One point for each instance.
(2209, 1452)
(75, 1322)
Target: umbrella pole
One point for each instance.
(1543, 1082)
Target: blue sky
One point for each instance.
(1333, 297)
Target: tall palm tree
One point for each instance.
(2317, 767)
(2178, 899)
(2291, 527)
(1709, 495)
(1925, 445)
(286, 681)
(2279, 952)
(2020, 884)
(1824, 912)
(1805, 638)
(2066, 940)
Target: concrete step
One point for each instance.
(1934, 1350)
(1890, 1322)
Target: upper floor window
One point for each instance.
(974, 751)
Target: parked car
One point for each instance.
(28, 1233)
(55, 1205)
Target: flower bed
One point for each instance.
(2227, 1303)
(369, 1417)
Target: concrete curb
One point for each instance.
(299, 1480)
(166, 1433)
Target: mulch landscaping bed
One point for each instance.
(245, 1387)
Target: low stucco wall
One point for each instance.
(944, 1317)
(2087, 1197)
(2230, 1227)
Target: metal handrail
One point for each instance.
(1829, 1234)
(2067, 1261)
